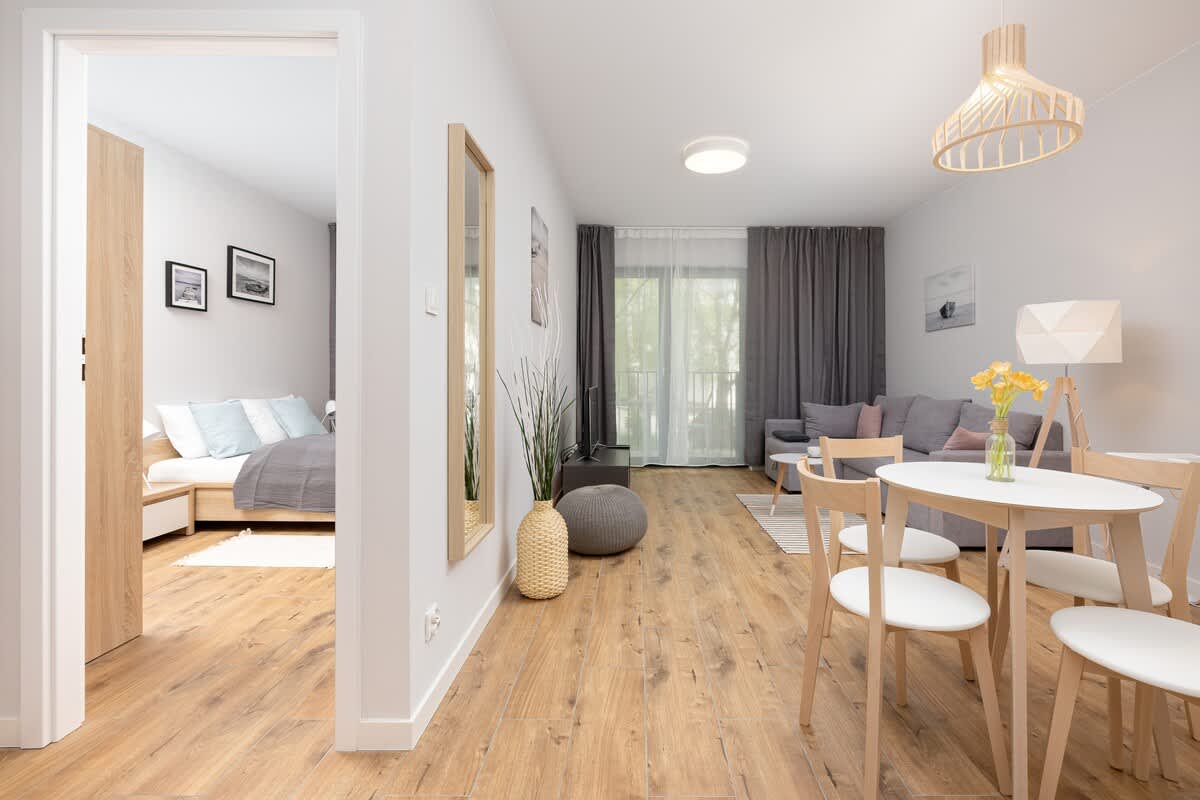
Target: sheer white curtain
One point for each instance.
(680, 327)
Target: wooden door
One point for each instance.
(113, 387)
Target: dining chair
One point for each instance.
(892, 600)
(1158, 653)
(1090, 579)
(919, 547)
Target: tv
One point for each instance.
(589, 435)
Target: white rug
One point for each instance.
(265, 550)
(788, 527)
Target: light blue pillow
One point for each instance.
(225, 427)
(295, 417)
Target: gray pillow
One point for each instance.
(930, 423)
(895, 411)
(836, 422)
(1021, 426)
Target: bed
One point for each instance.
(214, 480)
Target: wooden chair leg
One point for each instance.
(978, 643)
(900, 642)
(992, 559)
(1000, 634)
(1193, 719)
(1070, 670)
(1116, 725)
(1143, 723)
(835, 566)
(819, 600)
(1163, 743)
(964, 647)
(871, 758)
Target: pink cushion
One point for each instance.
(870, 422)
(963, 439)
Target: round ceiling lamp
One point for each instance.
(716, 155)
(1011, 118)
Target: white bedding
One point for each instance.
(197, 470)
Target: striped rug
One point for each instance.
(788, 527)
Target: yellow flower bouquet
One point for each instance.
(1005, 385)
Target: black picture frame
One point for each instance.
(254, 287)
(179, 300)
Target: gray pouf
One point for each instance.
(602, 520)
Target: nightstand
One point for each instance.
(168, 507)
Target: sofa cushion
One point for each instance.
(790, 436)
(895, 411)
(836, 422)
(930, 423)
(915, 455)
(865, 466)
(1022, 427)
(870, 422)
(963, 439)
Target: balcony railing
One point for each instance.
(712, 410)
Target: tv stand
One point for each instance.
(608, 464)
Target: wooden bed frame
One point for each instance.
(214, 501)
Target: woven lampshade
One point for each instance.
(1011, 118)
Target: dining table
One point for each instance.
(1037, 499)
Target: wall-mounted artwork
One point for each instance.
(187, 287)
(539, 257)
(250, 276)
(950, 299)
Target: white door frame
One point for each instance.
(53, 232)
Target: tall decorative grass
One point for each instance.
(471, 448)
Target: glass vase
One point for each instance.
(1000, 452)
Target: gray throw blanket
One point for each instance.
(294, 473)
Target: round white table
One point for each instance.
(1038, 499)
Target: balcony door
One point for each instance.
(680, 328)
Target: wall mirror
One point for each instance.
(470, 371)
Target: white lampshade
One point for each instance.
(149, 429)
(1071, 332)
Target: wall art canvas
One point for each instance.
(187, 287)
(950, 299)
(250, 276)
(539, 256)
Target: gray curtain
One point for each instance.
(814, 322)
(332, 310)
(596, 334)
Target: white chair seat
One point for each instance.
(919, 547)
(1083, 576)
(912, 599)
(1148, 648)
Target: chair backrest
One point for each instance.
(833, 449)
(838, 497)
(1183, 478)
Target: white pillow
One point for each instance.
(263, 421)
(181, 428)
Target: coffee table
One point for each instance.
(785, 461)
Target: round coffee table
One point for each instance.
(785, 462)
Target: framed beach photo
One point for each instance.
(187, 286)
(950, 299)
(250, 276)
(539, 265)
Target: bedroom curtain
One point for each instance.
(816, 322)
(679, 330)
(594, 328)
(332, 310)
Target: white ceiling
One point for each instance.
(837, 99)
(269, 121)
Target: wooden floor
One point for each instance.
(669, 671)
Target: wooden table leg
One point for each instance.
(1020, 659)
(893, 526)
(780, 472)
(992, 556)
(1130, 555)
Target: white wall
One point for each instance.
(237, 348)
(1115, 217)
(482, 92)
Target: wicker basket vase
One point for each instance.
(542, 552)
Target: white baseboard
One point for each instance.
(10, 732)
(393, 733)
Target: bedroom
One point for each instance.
(231, 159)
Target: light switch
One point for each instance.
(431, 301)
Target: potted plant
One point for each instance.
(539, 403)
(471, 463)
(1000, 451)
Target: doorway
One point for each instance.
(53, 484)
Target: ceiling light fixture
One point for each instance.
(1011, 118)
(716, 155)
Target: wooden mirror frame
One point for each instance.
(460, 540)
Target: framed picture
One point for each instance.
(187, 287)
(539, 258)
(950, 299)
(250, 276)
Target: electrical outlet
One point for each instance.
(433, 621)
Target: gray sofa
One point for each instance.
(926, 424)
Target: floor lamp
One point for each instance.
(1071, 332)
